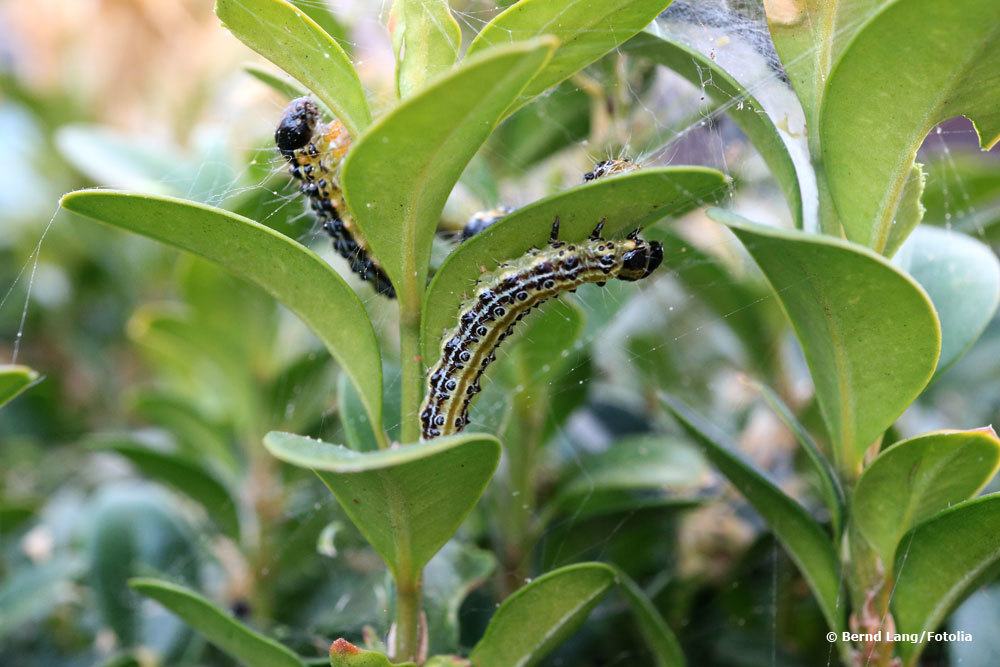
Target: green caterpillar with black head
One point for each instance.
(509, 294)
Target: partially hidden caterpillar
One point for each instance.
(505, 297)
(485, 219)
(315, 152)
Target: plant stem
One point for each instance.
(412, 372)
(408, 594)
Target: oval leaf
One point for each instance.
(586, 31)
(399, 174)
(940, 562)
(291, 273)
(13, 380)
(628, 202)
(425, 37)
(916, 478)
(868, 331)
(283, 34)
(407, 501)
(248, 647)
(962, 278)
(914, 64)
(802, 537)
(539, 616)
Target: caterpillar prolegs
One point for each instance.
(315, 152)
(505, 297)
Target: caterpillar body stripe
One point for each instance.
(315, 152)
(505, 297)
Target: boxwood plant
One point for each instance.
(880, 305)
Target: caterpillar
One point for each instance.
(505, 297)
(314, 152)
(485, 219)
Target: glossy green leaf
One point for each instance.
(627, 202)
(291, 273)
(749, 115)
(914, 64)
(407, 501)
(426, 38)
(586, 29)
(397, 177)
(250, 648)
(868, 331)
(184, 477)
(634, 472)
(910, 212)
(916, 478)
(940, 562)
(806, 542)
(962, 278)
(13, 380)
(810, 35)
(320, 12)
(829, 483)
(539, 616)
(542, 347)
(285, 35)
(284, 87)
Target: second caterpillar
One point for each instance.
(505, 298)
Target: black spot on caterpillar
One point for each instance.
(315, 152)
(505, 297)
(485, 219)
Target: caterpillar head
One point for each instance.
(641, 261)
(297, 126)
(610, 168)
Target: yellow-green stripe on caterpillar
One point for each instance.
(505, 297)
(315, 152)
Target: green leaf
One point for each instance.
(195, 433)
(184, 477)
(542, 347)
(287, 89)
(910, 212)
(914, 64)
(829, 483)
(357, 427)
(868, 331)
(539, 616)
(586, 29)
(250, 648)
(407, 501)
(962, 278)
(291, 273)
(748, 115)
(397, 177)
(628, 202)
(426, 38)
(810, 35)
(635, 472)
(940, 562)
(448, 579)
(287, 37)
(809, 547)
(320, 13)
(13, 380)
(658, 635)
(916, 478)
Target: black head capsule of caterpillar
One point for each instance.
(297, 126)
(641, 261)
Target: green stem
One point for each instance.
(413, 374)
(408, 594)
